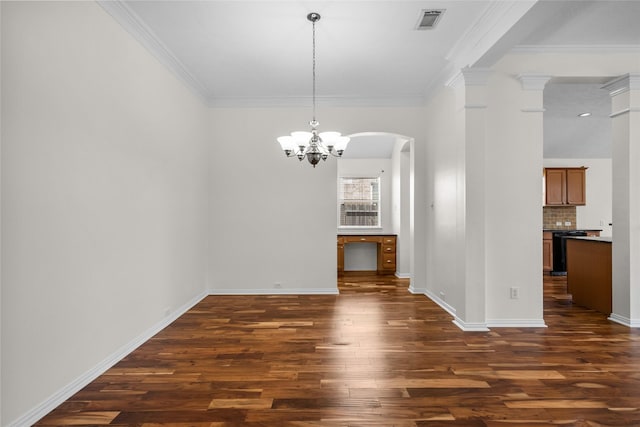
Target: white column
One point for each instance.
(625, 118)
(531, 138)
(473, 224)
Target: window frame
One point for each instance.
(340, 201)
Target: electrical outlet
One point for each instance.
(277, 285)
(559, 223)
(442, 294)
(514, 293)
(567, 223)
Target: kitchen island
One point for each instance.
(589, 272)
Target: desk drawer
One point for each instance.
(362, 239)
(388, 249)
(389, 261)
(389, 240)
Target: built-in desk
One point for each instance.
(386, 244)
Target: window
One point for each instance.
(359, 202)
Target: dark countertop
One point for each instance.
(572, 229)
(605, 239)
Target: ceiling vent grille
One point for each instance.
(429, 18)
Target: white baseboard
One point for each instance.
(470, 327)
(401, 275)
(52, 402)
(516, 323)
(442, 303)
(276, 291)
(623, 320)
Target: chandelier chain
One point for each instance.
(314, 69)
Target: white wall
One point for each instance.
(273, 218)
(443, 257)
(292, 241)
(597, 213)
(103, 197)
(401, 205)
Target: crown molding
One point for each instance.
(497, 18)
(324, 101)
(135, 26)
(132, 23)
(569, 49)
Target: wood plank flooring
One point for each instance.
(375, 355)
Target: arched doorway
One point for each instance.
(387, 157)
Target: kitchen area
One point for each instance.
(577, 192)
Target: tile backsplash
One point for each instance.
(562, 214)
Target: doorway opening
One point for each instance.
(374, 182)
(577, 134)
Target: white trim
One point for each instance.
(623, 84)
(533, 81)
(476, 76)
(470, 327)
(416, 291)
(322, 101)
(496, 19)
(533, 110)
(287, 291)
(516, 323)
(620, 113)
(446, 307)
(455, 80)
(625, 321)
(57, 398)
(401, 275)
(567, 49)
(475, 106)
(135, 26)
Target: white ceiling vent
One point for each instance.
(429, 18)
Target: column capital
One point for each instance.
(533, 81)
(623, 83)
(470, 77)
(476, 76)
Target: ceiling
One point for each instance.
(369, 53)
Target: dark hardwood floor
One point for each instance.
(375, 355)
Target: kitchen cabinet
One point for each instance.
(565, 186)
(589, 269)
(547, 251)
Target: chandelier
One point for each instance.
(313, 145)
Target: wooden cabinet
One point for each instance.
(589, 269)
(547, 251)
(565, 186)
(387, 262)
(386, 251)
